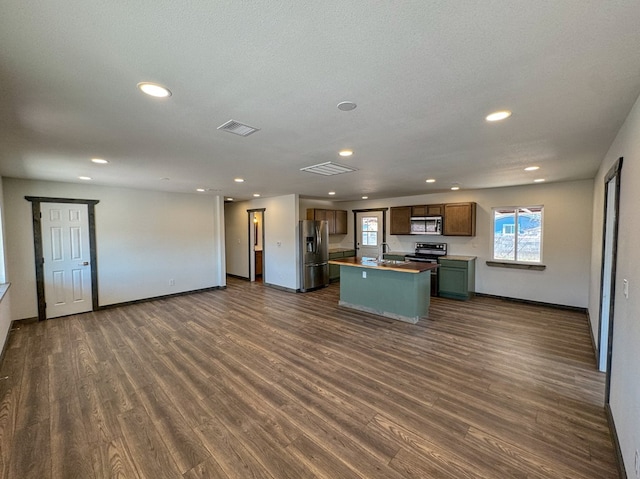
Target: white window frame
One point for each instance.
(516, 233)
(367, 232)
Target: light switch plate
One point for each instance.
(625, 288)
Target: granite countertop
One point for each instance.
(401, 266)
(459, 258)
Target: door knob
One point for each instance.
(86, 263)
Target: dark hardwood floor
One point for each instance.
(253, 382)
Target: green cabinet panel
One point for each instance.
(456, 278)
(334, 269)
(393, 294)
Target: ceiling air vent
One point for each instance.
(327, 169)
(237, 128)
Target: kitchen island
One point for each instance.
(394, 289)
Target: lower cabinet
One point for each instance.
(334, 269)
(394, 257)
(457, 277)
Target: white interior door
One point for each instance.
(67, 268)
(369, 233)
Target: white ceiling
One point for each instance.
(424, 74)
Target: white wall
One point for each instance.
(144, 239)
(566, 240)
(3, 252)
(280, 247)
(625, 369)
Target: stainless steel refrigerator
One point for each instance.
(314, 254)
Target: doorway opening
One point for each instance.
(371, 232)
(256, 244)
(608, 272)
(63, 241)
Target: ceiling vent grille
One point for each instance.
(327, 169)
(237, 128)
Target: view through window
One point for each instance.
(517, 234)
(370, 231)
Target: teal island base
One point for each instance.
(396, 294)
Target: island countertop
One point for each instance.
(392, 265)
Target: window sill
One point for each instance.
(3, 289)
(501, 264)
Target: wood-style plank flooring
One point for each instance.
(254, 382)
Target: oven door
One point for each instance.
(434, 272)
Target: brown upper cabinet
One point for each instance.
(401, 220)
(341, 222)
(459, 219)
(337, 219)
(426, 210)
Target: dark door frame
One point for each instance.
(614, 172)
(249, 226)
(36, 214)
(355, 224)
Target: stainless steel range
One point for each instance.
(429, 253)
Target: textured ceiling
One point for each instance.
(424, 74)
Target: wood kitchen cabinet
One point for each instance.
(457, 277)
(434, 210)
(337, 219)
(334, 269)
(419, 210)
(401, 220)
(394, 257)
(459, 219)
(426, 210)
(341, 222)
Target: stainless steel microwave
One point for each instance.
(426, 225)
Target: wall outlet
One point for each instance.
(625, 288)
(637, 464)
(364, 274)
(172, 282)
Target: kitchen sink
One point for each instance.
(391, 262)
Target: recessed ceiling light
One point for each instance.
(538, 180)
(498, 115)
(86, 178)
(200, 189)
(346, 106)
(431, 180)
(365, 197)
(153, 89)
(331, 193)
(256, 195)
(99, 161)
(455, 187)
(239, 180)
(532, 168)
(346, 152)
(229, 199)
